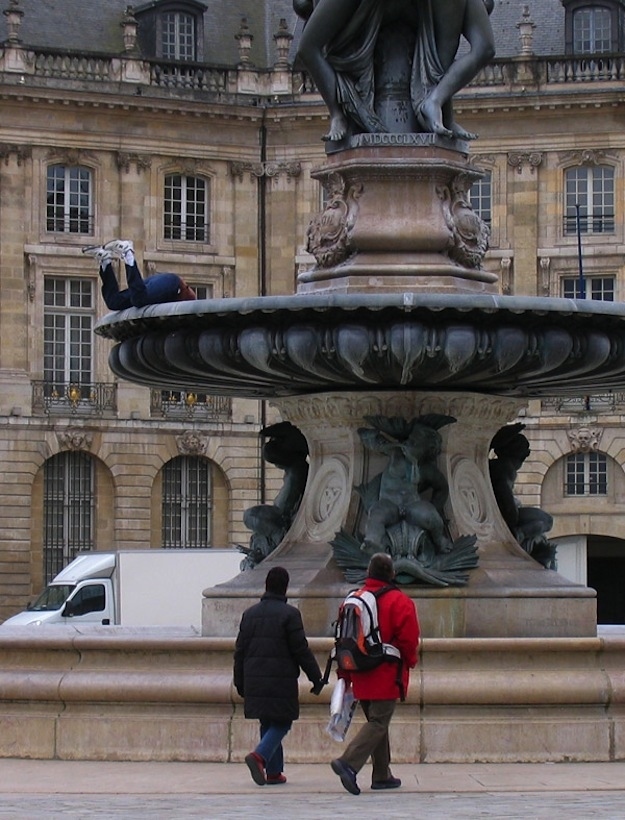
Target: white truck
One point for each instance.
(134, 588)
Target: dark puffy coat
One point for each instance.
(270, 649)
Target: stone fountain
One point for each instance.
(398, 321)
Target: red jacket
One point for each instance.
(399, 626)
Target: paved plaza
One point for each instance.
(58, 789)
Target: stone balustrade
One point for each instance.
(121, 695)
(530, 71)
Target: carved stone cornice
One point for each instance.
(339, 410)
(520, 159)
(140, 161)
(265, 169)
(74, 439)
(21, 152)
(191, 443)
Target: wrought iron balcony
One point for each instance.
(597, 403)
(179, 404)
(71, 398)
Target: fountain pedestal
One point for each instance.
(508, 595)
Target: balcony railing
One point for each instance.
(596, 403)
(69, 398)
(180, 404)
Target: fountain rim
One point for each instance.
(131, 322)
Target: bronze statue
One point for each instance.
(404, 507)
(529, 525)
(363, 54)
(286, 447)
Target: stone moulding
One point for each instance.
(505, 700)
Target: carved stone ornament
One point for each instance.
(266, 169)
(585, 439)
(21, 152)
(519, 159)
(191, 443)
(470, 234)
(70, 156)
(74, 440)
(140, 161)
(588, 156)
(329, 234)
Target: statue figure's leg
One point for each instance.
(453, 18)
(327, 20)
(381, 515)
(424, 515)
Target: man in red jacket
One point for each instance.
(378, 689)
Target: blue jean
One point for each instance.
(162, 287)
(270, 747)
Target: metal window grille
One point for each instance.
(178, 36)
(68, 509)
(187, 503)
(592, 31)
(480, 196)
(69, 206)
(592, 190)
(186, 208)
(68, 331)
(586, 474)
(600, 288)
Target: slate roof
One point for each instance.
(94, 25)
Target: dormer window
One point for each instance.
(172, 30)
(178, 39)
(594, 27)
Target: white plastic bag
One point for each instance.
(342, 708)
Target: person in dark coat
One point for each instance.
(270, 650)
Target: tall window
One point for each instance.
(187, 502)
(586, 474)
(186, 208)
(480, 195)
(69, 206)
(592, 30)
(591, 189)
(68, 509)
(67, 332)
(596, 287)
(178, 36)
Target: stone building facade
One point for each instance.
(187, 127)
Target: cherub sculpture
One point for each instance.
(527, 524)
(287, 448)
(404, 506)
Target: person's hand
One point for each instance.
(317, 687)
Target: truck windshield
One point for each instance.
(52, 598)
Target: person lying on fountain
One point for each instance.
(155, 290)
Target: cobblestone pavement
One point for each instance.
(38, 790)
(399, 806)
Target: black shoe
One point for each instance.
(347, 775)
(390, 783)
(256, 765)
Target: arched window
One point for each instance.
(68, 509)
(186, 204)
(589, 199)
(187, 503)
(69, 199)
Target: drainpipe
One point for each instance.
(262, 279)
